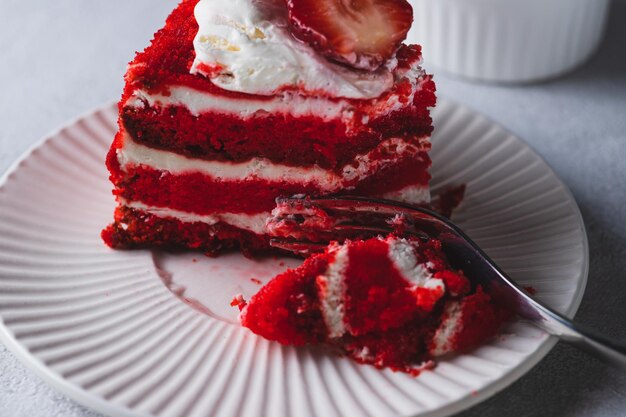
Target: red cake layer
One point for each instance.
(377, 296)
(137, 229)
(385, 326)
(200, 194)
(305, 140)
(287, 309)
(300, 141)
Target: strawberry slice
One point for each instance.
(361, 33)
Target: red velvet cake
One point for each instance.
(388, 302)
(237, 103)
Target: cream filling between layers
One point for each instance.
(402, 254)
(286, 103)
(413, 194)
(199, 102)
(251, 222)
(134, 154)
(442, 342)
(331, 289)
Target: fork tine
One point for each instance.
(355, 204)
(348, 217)
(355, 228)
(298, 247)
(362, 228)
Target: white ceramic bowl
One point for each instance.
(508, 40)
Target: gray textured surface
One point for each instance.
(61, 58)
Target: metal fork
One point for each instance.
(304, 225)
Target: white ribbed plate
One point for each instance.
(101, 326)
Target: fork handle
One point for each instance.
(606, 350)
(475, 263)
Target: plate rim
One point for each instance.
(96, 403)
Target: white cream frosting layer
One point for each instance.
(296, 105)
(332, 293)
(251, 222)
(402, 254)
(412, 194)
(451, 325)
(248, 47)
(286, 103)
(134, 154)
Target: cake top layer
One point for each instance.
(169, 60)
(246, 46)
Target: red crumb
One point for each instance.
(238, 301)
(456, 282)
(209, 70)
(194, 260)
(256, 281)
(287, 308)
(449, 200)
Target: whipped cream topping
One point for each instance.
(246, 46)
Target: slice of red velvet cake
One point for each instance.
(237, 103)
(388, 302)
